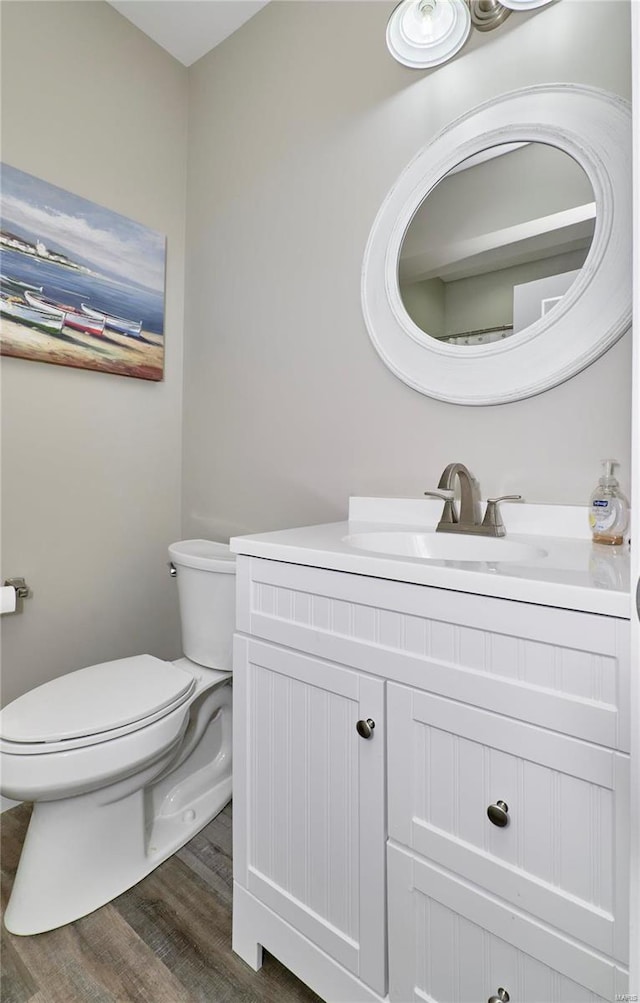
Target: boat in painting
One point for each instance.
(6, 280)
(118, 324)
(45, 305)
(23, 313)
(80, 322)
(70, 316)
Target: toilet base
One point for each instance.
(76, 859)
(81, 852)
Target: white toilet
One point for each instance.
(125, 761)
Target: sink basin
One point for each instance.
(445, 546)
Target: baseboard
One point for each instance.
(6, 803)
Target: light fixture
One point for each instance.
(488, 14)
(425, 33)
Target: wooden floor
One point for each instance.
(167, 940)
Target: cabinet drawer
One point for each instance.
(451, 943)
(560, 669)
(560, 856)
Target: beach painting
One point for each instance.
(80, 285)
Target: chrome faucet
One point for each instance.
(468, 519)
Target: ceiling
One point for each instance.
(188, 29)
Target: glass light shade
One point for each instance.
(424, 33)
(524, 4)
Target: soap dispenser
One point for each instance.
(608, 509)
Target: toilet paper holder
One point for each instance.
(22, 591)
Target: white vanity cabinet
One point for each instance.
(369, 866)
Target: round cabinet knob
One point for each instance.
(499, 814)
(365, 728)
(502, 996)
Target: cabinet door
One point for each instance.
(452, 943)
(309, 813)
(559, 850)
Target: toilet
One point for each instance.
(125, 761)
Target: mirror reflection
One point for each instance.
(496, 244)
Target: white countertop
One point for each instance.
(573, 573)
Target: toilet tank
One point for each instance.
(206, 576)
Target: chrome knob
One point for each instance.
(502, 996)
(499, 814)
(365, 728)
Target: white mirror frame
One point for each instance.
(592, 126)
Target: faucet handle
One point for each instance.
(505, 497)
(449, 515)
(494, 501)
(492, 518)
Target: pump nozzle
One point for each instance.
(607, 478)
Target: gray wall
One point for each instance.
(90, 461)
(299, 125)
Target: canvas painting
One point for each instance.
(80, 285)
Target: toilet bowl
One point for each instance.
(124, 761)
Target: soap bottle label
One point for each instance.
(603, 514)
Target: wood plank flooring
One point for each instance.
(167, 940)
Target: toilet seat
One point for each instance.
(94, 705)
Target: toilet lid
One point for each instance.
(96, 699)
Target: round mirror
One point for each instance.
(499, 265)
(496, 244)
